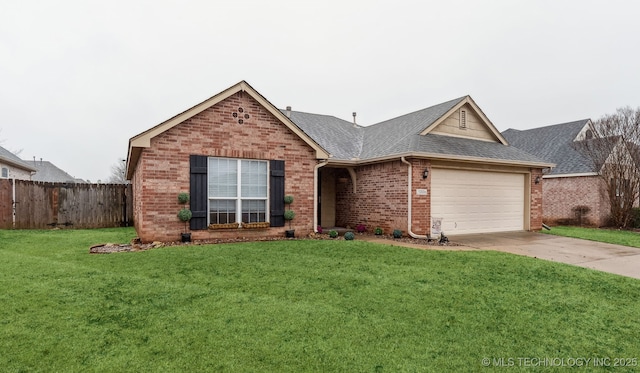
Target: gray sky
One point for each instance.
(79, 78)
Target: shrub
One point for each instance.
(319, 229)
(288, 200)
(635, 217)
(349, 236)
(378, 231)
(333, 234)
(361, 228)
(184, 215)
(397, 233)
(580, 213)
(183, 198)
(289, 215)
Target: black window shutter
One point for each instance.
(198, 191)
(276, 196)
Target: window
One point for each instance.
(463, 119)
(237, 190)
(5, 173)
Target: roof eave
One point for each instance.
(447, 157)
(20, 165)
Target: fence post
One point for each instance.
(13, 203)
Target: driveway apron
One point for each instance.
(617, 259)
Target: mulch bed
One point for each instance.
(136, 245)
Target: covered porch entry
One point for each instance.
(335, 186)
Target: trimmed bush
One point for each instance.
(183, 198)
(184, 215)
(378, 231)
(333, 234)
(349, 236)
(289, 215)
(397, 233)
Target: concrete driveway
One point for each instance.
(621, 260)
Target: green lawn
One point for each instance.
(292, 306)
(614, 236)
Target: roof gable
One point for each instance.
(143, 140)
(477, 127)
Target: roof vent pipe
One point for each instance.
(354, 118)
(288, 112)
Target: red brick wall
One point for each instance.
(163, 169)
(562, 194)
(381, 197)
(536, 201)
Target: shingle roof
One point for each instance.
(14, 160)
(47, 171)
(401, 135)
(339, 137)
(553, 144)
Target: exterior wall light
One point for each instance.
(537, 181)
(425, 173)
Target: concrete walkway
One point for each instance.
(621, 260)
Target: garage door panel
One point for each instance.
(477, 201)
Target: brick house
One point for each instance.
(572, 183)
(445, 168)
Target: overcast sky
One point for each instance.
(79, 78)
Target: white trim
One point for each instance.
(570, 175)
(238, 199)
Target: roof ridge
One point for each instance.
(456, 100)
(551, 125)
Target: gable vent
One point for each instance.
(463, 119)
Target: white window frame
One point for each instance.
(4, 173)
(238, 197)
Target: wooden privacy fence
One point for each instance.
(40, 205)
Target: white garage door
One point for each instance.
(477, 201)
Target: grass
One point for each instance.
(298, 306)
(614, 236)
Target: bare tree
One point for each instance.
(14, 151)
(612, 144)
(118, 173)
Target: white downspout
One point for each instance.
(315, 194)
(409, 193)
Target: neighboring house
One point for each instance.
(238, 156)
(572, 183)
(47, 171)
(12, 167)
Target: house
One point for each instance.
(48, 172)
(445, 168)
(12, 167)
(572, 184)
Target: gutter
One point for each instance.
(315, 193)
(410, 185)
